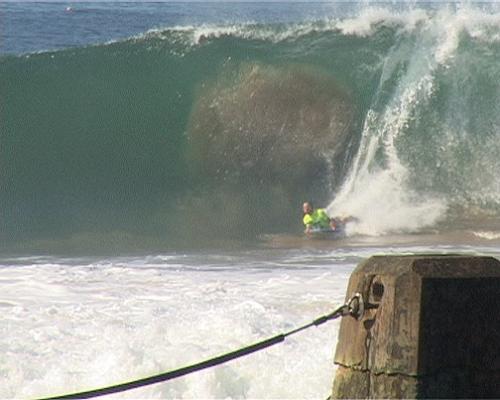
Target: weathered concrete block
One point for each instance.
(431, 330)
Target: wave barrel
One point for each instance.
(431, 329)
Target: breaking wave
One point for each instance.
(201, 132)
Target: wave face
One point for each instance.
(201, 132)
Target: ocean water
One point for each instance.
(153, 162)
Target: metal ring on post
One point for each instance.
(356, 306)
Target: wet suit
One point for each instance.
(318, 219)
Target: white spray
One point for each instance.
(377, 190)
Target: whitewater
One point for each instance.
(155, 158)
(74, 324)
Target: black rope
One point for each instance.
(201, 365)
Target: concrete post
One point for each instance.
(431, 330)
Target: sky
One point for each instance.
(253, 1)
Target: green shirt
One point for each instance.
(317, 219)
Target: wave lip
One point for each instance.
(488, 235)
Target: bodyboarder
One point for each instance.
(319, 220)
(316, 219)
